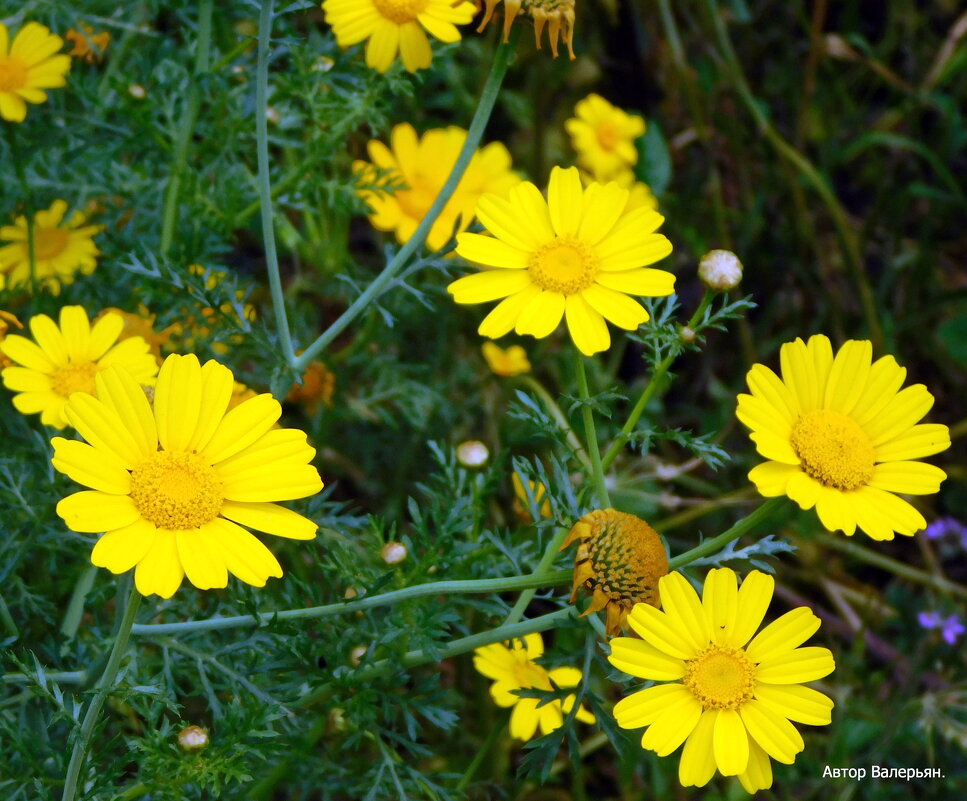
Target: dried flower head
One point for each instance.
(557, 15)
(619, 560)
(88, 45)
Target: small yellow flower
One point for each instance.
(419, 168)
(27, 67)
(728, 699)
(840, 435)
(512, 667)
(604, 137)
(577, 255)
(557, 15)
(64, 359)
(83, 41)
(60, 249)
(521, 503)
(510, 362)
(199, 322)
(397, 26)
(619, 559)
(173, 481)
(6, 321)
(318, 385)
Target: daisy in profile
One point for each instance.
(397, 26)
(172, 482)
(577, 255)
(27, 67)
(730, 700)
(842, 436)
(604, 137)
(512, 666)
(61, 248)
(414, 172)
(62, 359)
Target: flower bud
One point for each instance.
(721, 270)
(393, 553)
(192, 738)
(356, 655)
(137, 91)
(687, 335)
(472, 453)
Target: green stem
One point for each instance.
(179, 163)
(104, 685)
(562, 422)
(265, 187)
(21, 169)
(488, 98)
(75, 609)
(541, 575)
(8, 620)
(495, 734)
(844, 229)
(716, 544)
(652, 387)
(468, 587)
(591, 435)
(59, 676)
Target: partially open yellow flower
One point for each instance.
(557, 15)
(841, 436)
(60, 249)
(729, 700)
(397, 26)
(64, 359)
(619, 559)
(522, 503)
(415, 172)
(512, 667)
(27, 67)
(510, 362)
(173, 481)
(604, 137)
(577, 255)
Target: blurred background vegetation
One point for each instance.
(824, 142)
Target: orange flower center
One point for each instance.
(833, 449)
(720, 678)
(564, 265)
(176, 490)
(13, 74)
(49, 242)
(74, 377)
(400, 11)
(608, 136)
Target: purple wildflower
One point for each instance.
(950, 627)
(943, 526)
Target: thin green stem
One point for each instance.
(488, 98)
(104, 686)
(495, 734)
(58, 676)
(75, 608)
(264, 182)
(541, 575)
(844, 229)
(20, 168)
(562, 422)
(590, 434)
(468, 587)
(716, 544)
(169, 216)
(652, 387)
(7, 619)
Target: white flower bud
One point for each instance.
(721, 270)
(393, 553)
(472, 453)
(192, 738)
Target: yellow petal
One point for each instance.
(23, 379)
(797, 667)
(684, 609)
(542, 315)
(488, 285)
(643, 707)
(697, 765)
(123, 548)
(245, 556)
(587, 328)
(730, 743)
(503, 219)
(772, 478)
(758, 775)
(491, 252)
(100, 425)
(673, 725)
(765, 384)
(104, 333)
(95, 512)
(615, 307)
(774, 734)
(909, 478)
(242, 426)
(201, 558)
(98, 469)
(643, 281)
(641, 659)
(160, 572)
(849, 375)
(884, 380)
(663, 632)
(914, 443)
(270, 518)
(524, 719)
(23, 351)
(880, 514)
(177, 401)
(798, 703)
(216, 393)
(503, 317)
(565, 200)
(49, 338)
(382, 45)
(720, 600)
(76, 330)
(603, 205)
(799, 375)
(754, 598)
(414, 47)
(121, 393)
(782, 635)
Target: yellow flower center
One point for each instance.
(608, 136)
(400, 11)
(176, 490)
(833, 449)
(13, 74)
(49, 242)
(74, 377)
(564, 265)
(627, 557)
(720, 678)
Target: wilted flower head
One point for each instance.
(557, 15)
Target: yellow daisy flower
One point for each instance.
(27, 67)
(170, 481)
(510, 362)
(842, 436)
(619, 560)
(422, 167)
(64, 359)
(573, 256)
(512, 667)
(604, 137)
(728, 699)
(60, 248)
(393, 26)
